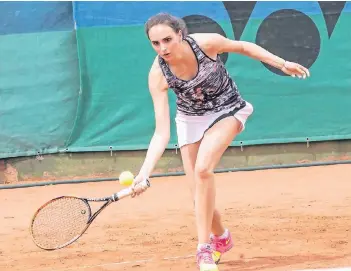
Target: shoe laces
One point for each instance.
(205, 256)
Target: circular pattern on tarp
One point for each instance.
(290, 34)
(203, 24)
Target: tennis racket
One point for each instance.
(63, 220)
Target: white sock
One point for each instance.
(224, 235)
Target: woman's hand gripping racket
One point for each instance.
(61, 221)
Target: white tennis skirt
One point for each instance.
(191, 129)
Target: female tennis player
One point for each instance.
(210, 113)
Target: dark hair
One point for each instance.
(173, 22)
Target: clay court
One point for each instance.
(287, 219)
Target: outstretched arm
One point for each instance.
(158, 90)
(220, 44)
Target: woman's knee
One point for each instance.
(202, 172)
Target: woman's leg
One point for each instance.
(189, 153)
(215, 141)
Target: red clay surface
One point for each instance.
(288, 219)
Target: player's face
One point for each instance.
(165, 40)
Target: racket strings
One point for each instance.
(60, 222)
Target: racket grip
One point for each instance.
(129, 191)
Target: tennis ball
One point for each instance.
(126, 178)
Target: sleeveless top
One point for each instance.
(210, 91)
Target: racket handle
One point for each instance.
(129, 191)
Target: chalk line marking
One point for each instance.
(92, 266)
(166, 259)
(179, 257)
(116, 263)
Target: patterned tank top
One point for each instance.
(210, 91)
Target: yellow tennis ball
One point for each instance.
(126, 178)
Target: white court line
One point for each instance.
(91, 266)
(179, 257)
(109, 264)
(167, 258)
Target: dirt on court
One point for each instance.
(288, 219)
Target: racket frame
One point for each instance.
(108, 200)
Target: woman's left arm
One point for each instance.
(221, 45)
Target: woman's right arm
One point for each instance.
(159, 93)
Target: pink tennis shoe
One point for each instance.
(208, 256)
(205, 260)
(221, 245)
